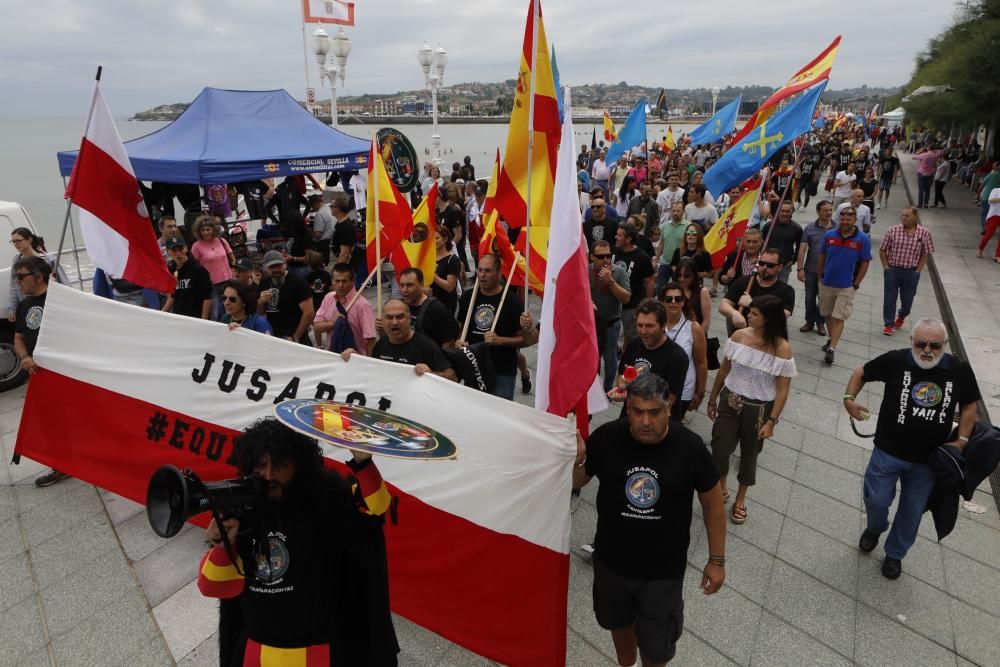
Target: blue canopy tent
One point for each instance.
(231, 136)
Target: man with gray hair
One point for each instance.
(649, 468)
(924, 385)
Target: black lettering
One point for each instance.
(290, 390)
(200, 376)
(258, 384)
(357, 398)
(384, 404)
(215, 444)
(226, 383)
(177, 437)
(234, 456)
(325, 391)
(197, 437)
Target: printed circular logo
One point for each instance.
(483, 317)
(598, 233)
(34, 317)
(642, 366)
(275, 568)
(399, 156)
(926, 394)
(642, 490)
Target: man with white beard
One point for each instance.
(923, 387)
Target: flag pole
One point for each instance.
(503, 297)
(378, 235)
(472, 304)
(531, 145)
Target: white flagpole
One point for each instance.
(531, 145)
(86, 130)
(378, 230)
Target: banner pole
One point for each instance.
(503, 297)
(76, 250)
(472, 304)
(378, 235)
(531, 145)
(774, 214)
(357, 293)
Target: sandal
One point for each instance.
(738, 515)
(725, 496)
(713, 292)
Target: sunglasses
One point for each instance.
(597, 208)
(21, 276)
(230, 299)
(676, 298)
(690, 233)
(770, 265)
(607, 256)
(921, 344)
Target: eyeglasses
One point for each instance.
(21, 276)
(230, 299)
(690, 233)
(607, 256)
(921, 344)
(676, 298)
(16, 241)
(598, 208)
(769, 265)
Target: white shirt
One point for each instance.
(600, 171)
(700, 157)
(754, 373)
(864, 214)
(845, 183)
(705, 216)
(681, 334)
(994, 208)
(665, 200)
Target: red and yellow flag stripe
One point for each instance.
(391, 213)
(420, 254)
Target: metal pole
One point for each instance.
(377, 155)
(435, 137)
(531, 145)
(305, 54)
(76, 250)
(333, 101)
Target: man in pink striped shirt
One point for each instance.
(927, 165)
(360, 315)
(904, 252)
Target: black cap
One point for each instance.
(175, 241)
(243, 264)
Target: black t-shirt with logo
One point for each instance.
(639, 267)
(253, 197)
(888, 166)
(319, 281)
(645, 497)
(420, 349)
(669, 361)
(193, 286)
(432, 319)
(504, 356)
(284, 316)
(918, 405)
(28, 319)
(783, 291)
(603, 230)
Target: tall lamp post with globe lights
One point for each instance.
(715, 98)
(338, 48)
(433, 63)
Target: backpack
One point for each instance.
(342, 337)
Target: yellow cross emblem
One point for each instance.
(763, 140)
(718, 127)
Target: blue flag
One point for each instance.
(632, 134)
(555, 80)
(747, 156)
(719, 125)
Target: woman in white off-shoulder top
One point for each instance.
(753, 386)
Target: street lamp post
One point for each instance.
(433, 63)
(339, 47)
(715, 98)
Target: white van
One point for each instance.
(12, 216)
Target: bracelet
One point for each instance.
(963, 438)
(850, 397)
(773, 419)
(717, 560)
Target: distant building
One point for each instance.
(409, 105)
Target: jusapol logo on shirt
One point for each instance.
(925, 395)
(642, 491)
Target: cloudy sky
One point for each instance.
(162, 51)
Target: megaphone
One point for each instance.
(174, 496)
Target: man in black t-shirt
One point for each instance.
(505, 339)
(342, 243)
(785, 236)
(254, 194)
(649, 469)
(651, 351)
(599, 226)
(639, 267)
(427, 315)
(923, 387)
(888, 168)
(737, 302)
(193, 294)
(286, 299)
(405, 346)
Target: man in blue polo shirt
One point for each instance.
(844, 257)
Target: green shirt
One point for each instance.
(990, 181)
(672, 236)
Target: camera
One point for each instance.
(174, 496)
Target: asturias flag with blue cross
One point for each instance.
(633, 134)
(749, 154)
(719, 125)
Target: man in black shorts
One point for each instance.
(649, 470)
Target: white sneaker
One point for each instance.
(878, 205)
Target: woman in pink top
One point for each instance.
(215, 255)
(927, 159)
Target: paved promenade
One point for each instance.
(89, 583)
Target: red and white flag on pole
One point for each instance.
(567, 345)
(113, 217)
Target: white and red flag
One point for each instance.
(113, 217)
(567, 344)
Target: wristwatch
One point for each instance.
(857, 286)
(773, 419)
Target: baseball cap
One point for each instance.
(273, 258)
(243, 264)
(480, 190)
(175, 241)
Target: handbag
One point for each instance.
(712, 353)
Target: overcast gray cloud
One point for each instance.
(162, 51)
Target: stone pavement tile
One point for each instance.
(62, 512)
(830, 517)
(693, 650)
(813, 607)
(26, 471)
(976, 541)
(138, 539)
(171, 567)
(39, 658)
(771, 490)
(120, 508)
(829, 479)
(10, 420)
(976, 634)
(206, 655)
(885, 643)
(984, 497)
(790, 435)
(20, 632)
(907, 600)
(727, 619)
(763, 525)
(781, 645)
(16, 584)
(186, 619)
(30, 497)
(810, 410)
(967, 580)
(583, 522)
(778, 459)
(748, 569)
(72, 550)
(462, 657)
(74, 599)
(924, 560)
(418, 645)
(5, 479)
(10, 538)
(112, 636)
(805, 382)
(840, 373)
(580, 614)
(825, 558)
(839, 453)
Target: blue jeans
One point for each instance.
(901, 283)
(505, 386)
(924, 184)
(610, 354)
(916, 483)
(813, 316)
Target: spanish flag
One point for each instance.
(668, 141)
(420, 251)
(512, 188)
(817, 70)
(392, 214)
(722, 238)
(610, 132)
